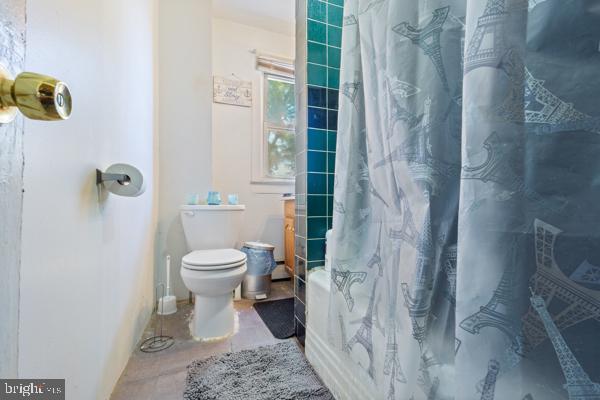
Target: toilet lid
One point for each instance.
(214, 259)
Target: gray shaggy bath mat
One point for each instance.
(277, 372)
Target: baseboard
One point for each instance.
(282, 279)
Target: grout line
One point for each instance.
(299, 299)
(323, 44)
(323, 108)
(321, 151)
(321, 65)
(325, 22)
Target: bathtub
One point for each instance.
(340, 374)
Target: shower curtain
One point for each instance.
(466, 237)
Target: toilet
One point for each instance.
(213, 268)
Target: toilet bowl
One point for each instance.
(212, 275)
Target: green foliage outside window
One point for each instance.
(280, 118)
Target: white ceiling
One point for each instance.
(275, 15)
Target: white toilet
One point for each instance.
(214, 268)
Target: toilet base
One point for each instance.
(213, 316)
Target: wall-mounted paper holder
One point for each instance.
(122, 179)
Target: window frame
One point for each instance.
(260, 173)
(266, 127)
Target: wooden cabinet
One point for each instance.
(289, 236)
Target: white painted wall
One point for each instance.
(273, 15)
(185, 87)
(233, 129)
(205, 146)
(87, 265)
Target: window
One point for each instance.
(279, 119)
(274, 120)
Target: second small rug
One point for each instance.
(278, 315)
(274, 372)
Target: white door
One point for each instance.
(12, 54)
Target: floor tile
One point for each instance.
(183, 354)
(161, 375)
(170, 386)
(138, 390)
(139, 368)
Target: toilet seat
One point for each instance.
(210, 260)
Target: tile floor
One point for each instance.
(162, 375)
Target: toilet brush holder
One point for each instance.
(167, 305)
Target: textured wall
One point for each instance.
(12, 52)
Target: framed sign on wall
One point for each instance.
(232, 91)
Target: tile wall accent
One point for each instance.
(318, 46)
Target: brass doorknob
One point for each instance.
(37, 96)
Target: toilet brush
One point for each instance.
(167, 304)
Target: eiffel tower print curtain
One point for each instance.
(466, 246)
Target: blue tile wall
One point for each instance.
(315, 30)
(335, 14)
(333, 57)
(316, 183)
(317, 97)
(317, 204)
(317, 140)
(331, 140)
(318, 48)
(334, 36)
(317, 118)
(316, 10)
(333, 77)
(316, 75)
(316, 161)
(300, 331)
(332, 99)
(332, 120)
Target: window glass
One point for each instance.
(278, 130)
(281, 108)
(281, 154)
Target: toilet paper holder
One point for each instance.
(122, 179)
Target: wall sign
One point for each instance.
(232, 91)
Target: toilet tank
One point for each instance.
(211, 227)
